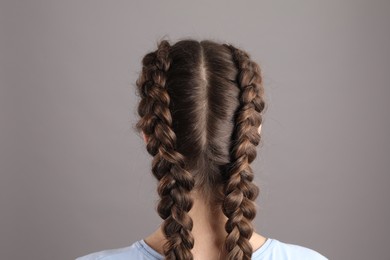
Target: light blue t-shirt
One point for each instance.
(272, 249)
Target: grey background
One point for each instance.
(75, 178)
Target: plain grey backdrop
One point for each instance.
(75, 177)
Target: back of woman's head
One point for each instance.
(200, 109)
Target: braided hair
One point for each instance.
(200, 108)
(175, 182)
(240, 191)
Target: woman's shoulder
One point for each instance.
(138, 250)
(272, 249)
(276, 249)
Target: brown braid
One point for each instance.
(168, 165)
(240, 191)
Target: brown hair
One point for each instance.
(201, 106)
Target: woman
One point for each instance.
(200, 115)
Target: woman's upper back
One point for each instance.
(272, 249)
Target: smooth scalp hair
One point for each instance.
(200, 106)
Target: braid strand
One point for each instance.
(240, 191)
(168, 165)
